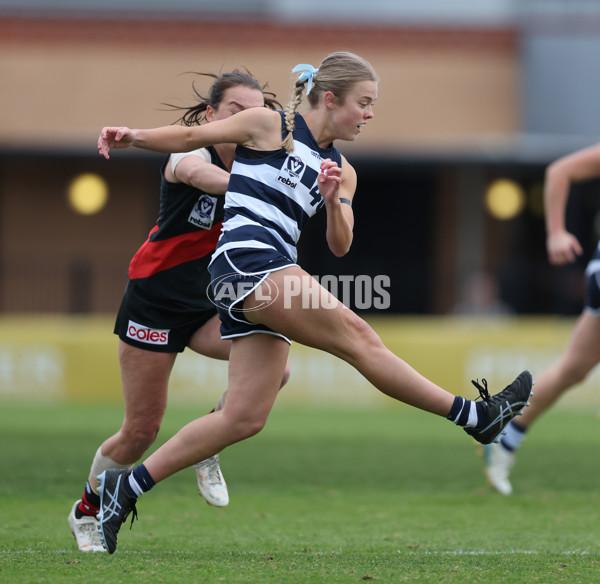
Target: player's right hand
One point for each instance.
(113, 137)
(563, 248)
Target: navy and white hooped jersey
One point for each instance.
(592, 283)
(271, 195)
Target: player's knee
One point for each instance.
(359, 338)
(140, 436)
(248, 427)
(576, 373)
(252, 428)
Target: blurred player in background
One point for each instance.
(583, 349)
(286, 169)
(165, 307)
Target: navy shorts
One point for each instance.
(234, 275)
(592, 285)
(157, 325)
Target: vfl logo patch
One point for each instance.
(143, 334)
(294, 165)
(203, 213)
(291, 172)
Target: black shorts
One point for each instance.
(592, 285)
(159, 325)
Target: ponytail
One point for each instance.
(307, 73)
(290, 116)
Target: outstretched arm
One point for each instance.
(255, 127)
(562, 246)
(166, 139)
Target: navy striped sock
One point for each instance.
(515, 434)
(456, 408)
(480, 414)
(459, 412)
(139, 481)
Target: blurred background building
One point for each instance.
(476, 97)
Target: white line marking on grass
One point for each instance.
(321, 552)
(496, 553)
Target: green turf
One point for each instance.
(320, 496)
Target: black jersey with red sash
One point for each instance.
(171, 264)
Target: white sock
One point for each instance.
(102, 463)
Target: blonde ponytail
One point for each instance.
(290, 116)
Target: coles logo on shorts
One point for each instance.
(143, 334)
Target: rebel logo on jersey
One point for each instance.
(291, 171)
(203, 213)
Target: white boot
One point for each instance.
(85, 531)
(211, 482)
(498, 464)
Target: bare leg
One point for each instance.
(256, 366)
(580, 357)
(145, 379)
(257, 363)
(338, 330)
(207, 341)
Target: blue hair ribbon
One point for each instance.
(308, 72)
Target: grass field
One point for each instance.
(320, 496)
